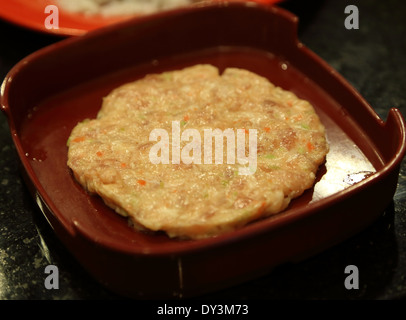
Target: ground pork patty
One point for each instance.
(111, 155)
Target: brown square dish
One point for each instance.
(47, 93)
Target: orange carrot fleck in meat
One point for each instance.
(79, 139)
(142, 182)
(123, 165)
(310, 146)
(261, 209)
(186, 118)
(99, 154)
(267, 129)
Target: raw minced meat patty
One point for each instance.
(168, 182)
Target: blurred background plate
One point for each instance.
(31, 14)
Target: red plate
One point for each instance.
(47, 93)
(31, 14)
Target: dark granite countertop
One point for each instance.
(372, 58)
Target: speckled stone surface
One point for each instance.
(372, 58)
